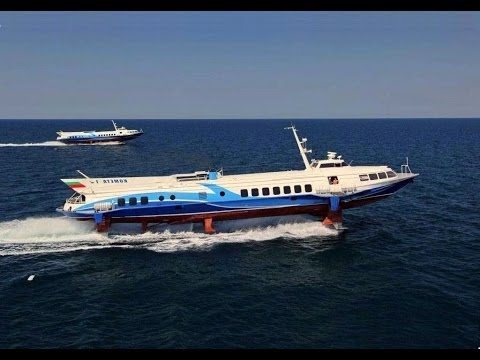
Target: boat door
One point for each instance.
(322, 187)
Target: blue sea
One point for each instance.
(405, 274)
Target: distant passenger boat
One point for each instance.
(324, 188)
(120, 134)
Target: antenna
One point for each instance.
(83, 174)
(114, 125)
(302, 147)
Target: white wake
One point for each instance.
(46, 143)
(57, 234)
(59, 143)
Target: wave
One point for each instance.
(58, 143)
(46, 143)
(54, 234)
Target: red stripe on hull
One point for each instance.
(320, 210)
(316, 210)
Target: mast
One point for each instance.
(114, 125)
(83, 174)
(302, 147)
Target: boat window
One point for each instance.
(276, 190)
(333, 180)
(244, 192)
(327, 165)
(121, 201)
(344, 163)
(382, 175)
(363, 177)
(265, 191)
(172, 197)
(308, 188)
(287, 190)
(297, 189)
(144, 200)
(132, 201)
(338, 165)
(82, 198)
(255, 192)
(373, 176)
(391, 174)
(222, 193)
(161, 197)
(203, 195)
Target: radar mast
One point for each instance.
(302, 147)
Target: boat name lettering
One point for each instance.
(114, 181)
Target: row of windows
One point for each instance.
(376, 176)
(331, 164)
(86, 136)
(276, 190)
(143, 200)
(132, 201)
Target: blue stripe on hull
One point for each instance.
(188, 208)
(174, 208)
(377, 192)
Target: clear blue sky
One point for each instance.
(239, 64)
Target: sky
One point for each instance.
(239, 64)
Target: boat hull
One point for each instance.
(95, 140)
(181, 212)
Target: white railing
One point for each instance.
(75, 199)
(405, 169)
(103, 206)
(349, 189)
(336, 189)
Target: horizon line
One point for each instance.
(267, 118)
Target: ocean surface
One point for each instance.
(406, 273)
